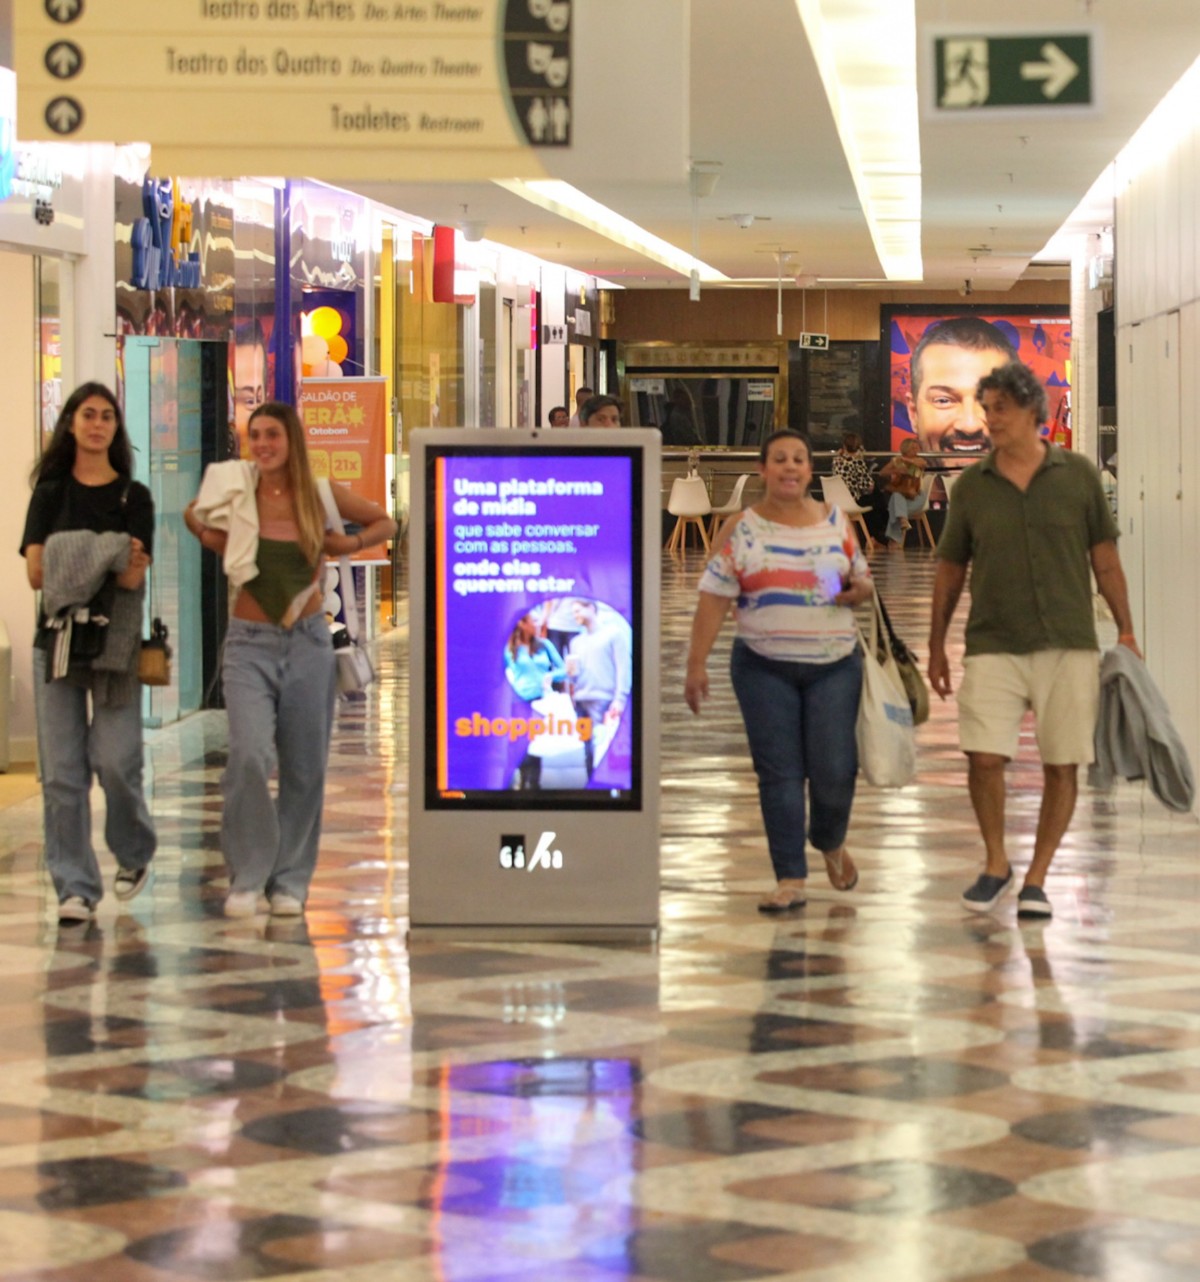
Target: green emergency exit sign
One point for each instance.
(980, 72)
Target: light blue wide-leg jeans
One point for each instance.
(280, 688)
(900, 509)
(76, 741)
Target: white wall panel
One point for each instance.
(1188, 175)
(1135, 255)
(1134, 389)
(1164, 497)
(1168, 260)
(1186, 705)
(1157, 233)
(18, 335)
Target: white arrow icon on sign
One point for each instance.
(63, 59)
(1057, 71)
(64, 10)
(64, 115)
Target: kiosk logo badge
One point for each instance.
(512, 852)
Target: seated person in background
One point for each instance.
(902, 477)
(558, 417)
(853, 466)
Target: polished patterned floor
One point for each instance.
(880, 1087)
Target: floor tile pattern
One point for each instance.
(878, 1088)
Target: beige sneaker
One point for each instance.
(74, 909)
(241, 903)
(286, 905)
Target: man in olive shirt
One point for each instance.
(1031, 520)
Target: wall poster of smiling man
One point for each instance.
(938, 355)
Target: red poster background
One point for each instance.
(1041, 334)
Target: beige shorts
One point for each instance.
(1062, 687)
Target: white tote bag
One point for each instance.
(355, 671)
(887, 750)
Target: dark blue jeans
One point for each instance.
(800, 722)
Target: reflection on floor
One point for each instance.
(880, 1087)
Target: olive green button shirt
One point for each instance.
(1031, 583)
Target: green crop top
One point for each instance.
(283, 574)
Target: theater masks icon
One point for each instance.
(539, 57)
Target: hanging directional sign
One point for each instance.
(815, 342)
(338, 88)
(1021, 72)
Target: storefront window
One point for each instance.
(51, 273)
(430, 382)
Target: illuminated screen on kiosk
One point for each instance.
(533, 628)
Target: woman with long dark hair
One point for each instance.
(531, 661)
(278, 665)
(89, 535)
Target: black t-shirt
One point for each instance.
(65, 504)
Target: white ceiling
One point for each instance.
(758, 108)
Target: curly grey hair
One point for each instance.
(1018, 382)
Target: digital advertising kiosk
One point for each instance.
(534, 562)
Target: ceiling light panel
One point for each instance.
(867, 55)
(569, 202)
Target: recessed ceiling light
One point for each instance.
(865, 51)
(569, 202)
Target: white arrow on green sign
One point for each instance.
(976, 72)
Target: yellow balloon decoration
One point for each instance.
(326, 321)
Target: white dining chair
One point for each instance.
(837, 493)
(690, 506)
(731, 505)
(921, 519)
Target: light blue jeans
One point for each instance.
(75, 741)
(900, 508)
(800, 720)
(280, 688)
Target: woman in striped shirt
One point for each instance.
(794, 568)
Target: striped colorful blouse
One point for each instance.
(784, 579)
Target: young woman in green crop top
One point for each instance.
(278, 670)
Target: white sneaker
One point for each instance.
(241, 903)
(74, 909)
(286, 905)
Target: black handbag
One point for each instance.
(910, 671)
(76, 636)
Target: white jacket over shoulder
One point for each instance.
(227, 502)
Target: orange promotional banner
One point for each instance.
(345, 425)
